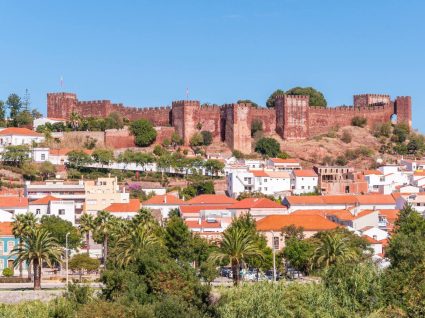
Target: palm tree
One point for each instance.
(22, 224)
(38, 247)
(87, 225)
(333, 248)
(75, 120)
(104, 227)
(139, 238)
(237, 245)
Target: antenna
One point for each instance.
(27, 101)
(61, 81)
(187, 93)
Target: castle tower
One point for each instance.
(292, 112)
(365, 100)
(238, 127)
(403, 110)
(61, 105)
(185, 118)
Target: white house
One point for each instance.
(283, 164)
(374, 179)
(44, 120)
(267, 182)
(14, 136)
(124, 210)
(417, 200)
(413, 165)
(40, 154)
(374, 232)
(165, 203)
(304, 181)
(13, 205)
(49, 205)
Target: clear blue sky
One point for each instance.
(147, 53)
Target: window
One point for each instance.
(48, 211)
(37, 211)
(43, 156)
(276, 242)
(265, 189)
(302, 187)
(10, 246)
(265, 180)
(61, 211)
(1, 248)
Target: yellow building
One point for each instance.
(102, 192)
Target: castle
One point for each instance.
(292, 118)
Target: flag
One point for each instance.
(61, 81)
(187, 92)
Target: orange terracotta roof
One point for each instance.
(44, 200)
(419, 173)
(341, 199)
(6, 228)
(278, 174)
(164, 199)
(132, 206)
(60, 152)
(371, 240)
(257, 203)
(368, 172)
(342, 215)
(198, 208)
(212, 199)
(13, 202)
(308, 222)
(56, 118)
(384, 242)
(279, 160)
(259, 173)
(391, 215)
(305, 173)
(319, 212)
(19, 131)
(204, 224)
(364, 213)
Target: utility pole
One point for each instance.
(66, 258)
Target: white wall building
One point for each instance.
(49, 205)
(304, 181)
(44, 120)
(164, 203)
(14, 136)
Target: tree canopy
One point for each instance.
(144, 132)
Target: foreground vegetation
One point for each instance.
(149, 273)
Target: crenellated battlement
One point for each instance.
(292, 117)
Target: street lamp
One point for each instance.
(274, 258)
(66, 258)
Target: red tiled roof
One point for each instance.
(258, 203)
(6, 228)
(212, 199)
(391, 215)
(279, 160)
(198, 208)
(165, 199)
(368, 172)
(13, 202)
(308, 222)
(419, 173)
(364, 213)
(305, 173)
(259, 173)
(132, 206)
(371, 240)
(342, 199)
(204, 224)
(44, 200)
(19, 131)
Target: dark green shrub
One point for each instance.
(359, 121)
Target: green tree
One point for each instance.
(316, 97)
(176, 140)
(238, 244)
(58, 228)
(213, 167)
(114, 121)
(47, 169)
(207, 137)
(400, 132)
(23, 118)
(299, 253)
(143, 131)
(247, 101)
(104, 227)
(86, 227)
(272, 97)
(178, 239)
(16, 155)
(38, 247)
(78, 159)
(75, 121)
(14, 103)
(333, 248)
(22, 224)
(103, 156)
(268, 147)
(2, 113)
(35, 114)
(83, 262)
(196, 140)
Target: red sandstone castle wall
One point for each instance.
(209, 117)
(159, 116)
(321, 120)
(238, 127)
(119, 138)
(267, 117)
